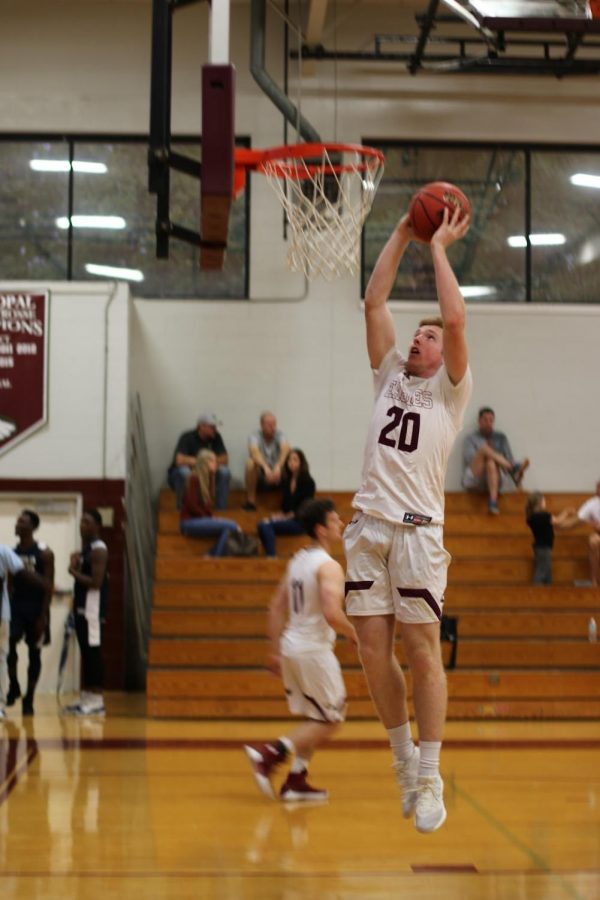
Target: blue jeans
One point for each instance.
(209, 527)
(542, 573)
(177, 475)
(268, 529)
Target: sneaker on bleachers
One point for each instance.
(518, 470)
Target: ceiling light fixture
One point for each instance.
(114, 272)
(537, 240)
(115, 223)
(477, 290)
(582, 179)
(63, 165)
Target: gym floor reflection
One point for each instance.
(169, 809)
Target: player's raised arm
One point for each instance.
(452, 304)
(381, 334)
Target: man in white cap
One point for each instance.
(203, 437)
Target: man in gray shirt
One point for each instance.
(488, 463)
(267, 450)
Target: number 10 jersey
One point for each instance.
(413, 428)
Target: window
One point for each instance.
(565, 200)
(508, 187)
(79, 209)
(34, 194)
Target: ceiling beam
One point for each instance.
(316, 22)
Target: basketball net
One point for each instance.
(326, 192)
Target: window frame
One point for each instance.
(71, 139)
(528, 149)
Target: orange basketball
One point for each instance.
(426, 210)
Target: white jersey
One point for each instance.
(307, 629)
(413, 427)
(590, 511)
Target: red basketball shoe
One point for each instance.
(297, 788)
(264, 759)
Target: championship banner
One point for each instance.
(23, 365)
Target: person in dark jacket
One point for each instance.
(298, 486)
(204, 436)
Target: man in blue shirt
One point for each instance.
(488, 463)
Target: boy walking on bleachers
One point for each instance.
(542, 524)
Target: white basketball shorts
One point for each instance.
(314, 686)
(395, 569)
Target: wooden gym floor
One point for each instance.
(138, 807)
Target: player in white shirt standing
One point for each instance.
(590, 512)
(305, 614)
(396, 561)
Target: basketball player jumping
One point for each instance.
(304, 616)
(396, 561)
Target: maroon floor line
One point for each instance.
(240, 873)
(114, 743)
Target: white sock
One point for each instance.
(429, 763)
(299, 765)
(401, 742)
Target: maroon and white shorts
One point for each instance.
(398, 570)
(314, 685)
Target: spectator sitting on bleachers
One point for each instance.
(203, 437)
(267, 450)
(198, 502)
(298, 486)
(488, 463)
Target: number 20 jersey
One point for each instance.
(413, 428)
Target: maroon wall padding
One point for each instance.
(97, 492)
(218, 145)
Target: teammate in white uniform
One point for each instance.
(304, 616)
(590, 512)
(396, 561)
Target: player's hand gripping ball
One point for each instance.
(426, 210)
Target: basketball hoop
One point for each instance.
(327, 191)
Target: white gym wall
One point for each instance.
(304, 356)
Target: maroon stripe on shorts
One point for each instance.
(317, 706)
(425, 595)
(358, 586)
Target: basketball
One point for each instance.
(426, 210)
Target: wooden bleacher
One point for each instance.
(523, 650)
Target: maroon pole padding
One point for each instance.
(218, 145)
